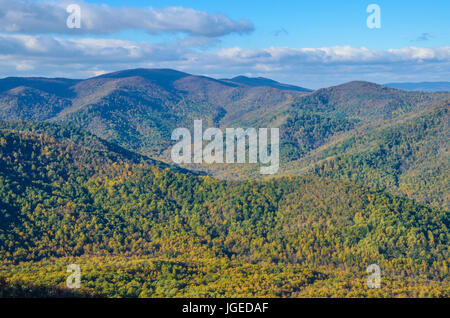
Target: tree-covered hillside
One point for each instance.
(409, 158)
(138, 109)
(138, 229)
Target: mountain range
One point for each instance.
(138, 109)
(86, 178)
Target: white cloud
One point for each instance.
(312, 67)
(31, 17)
(337, 54)
(24, 66)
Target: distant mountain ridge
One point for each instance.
(138, 108)
(422, 86)
(261, 81)
(57, 86)
(366, 100)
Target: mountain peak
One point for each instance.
(360, 84)
(147, 73)
(360, 87)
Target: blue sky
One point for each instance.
(323, 22)
(309, 43)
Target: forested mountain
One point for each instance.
(410, 157)
(368, 101)
(312, 120)
(139, 229)
(85, 178)
(138, 109)
(394, 140)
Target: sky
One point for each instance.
(308, 43)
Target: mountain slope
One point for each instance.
(139, 108)
(409, 157)
(177, 233)
(367, 101)
(56, 86)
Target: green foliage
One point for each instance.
(305, 131)
(367, 101)
(18, 288)
(409, 158)
(149, 231)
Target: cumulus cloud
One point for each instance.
(336, 55)
(31, 17)
(313, 67)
